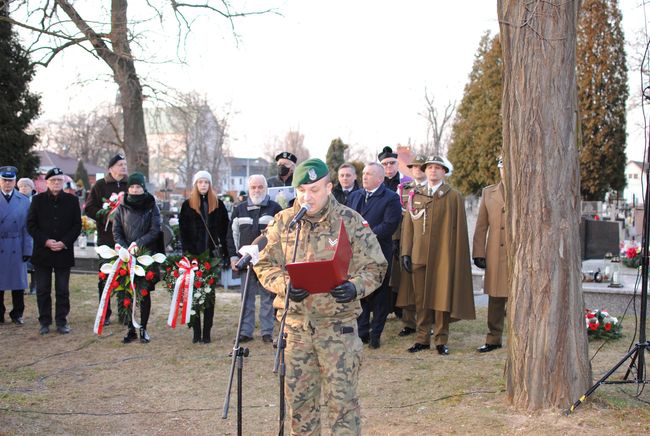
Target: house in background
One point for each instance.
(235, 171)
(634, 175)
(68, 165)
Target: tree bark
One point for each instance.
(122, 63)
(547, 364)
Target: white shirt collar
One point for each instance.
(435, 187)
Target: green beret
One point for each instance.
(309, 171)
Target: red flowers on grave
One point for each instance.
(127, 303)
(144, 292)
(149, 276)
(601, 325)
(102, 276)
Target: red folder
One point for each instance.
(324, 275)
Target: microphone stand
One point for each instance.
(238, 354)
(280, 365)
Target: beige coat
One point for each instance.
(490, 240)
(435, 236)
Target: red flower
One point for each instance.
(207, 266)
(630, 253)
(102, 276)
(211, 281)
(608, 326)
(593, 326)
(127, 302)
(144, 292)
(176, 273)
(199, 273)
(149, 275)
(198, 284)
(596, 217)
(122, 272)
(591, 315)
(169, 268)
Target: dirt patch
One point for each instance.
(84, 384)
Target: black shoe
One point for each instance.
(144, 336)
(406, 331)
(488, 347)
(18, 320)
(267, 339)
(130, 336)
(63, 329)
(44, 330)
(443, 350)
(418, 347)
(374, 343)
(365, 339)
(196, 338)
(107, 321)
(244, 339)
(206, 339)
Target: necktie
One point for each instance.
(430, 192)
(368, 194)
(7, 197)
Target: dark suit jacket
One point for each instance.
(383, 212)
(57, 218)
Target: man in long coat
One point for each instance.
(435, 249)
(15, 244)
(54, 221)
(489, 252)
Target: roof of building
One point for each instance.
(68, 165)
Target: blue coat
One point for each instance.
(15, 242)
(383, 212)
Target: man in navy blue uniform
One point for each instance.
(15, 244)
(381, 208)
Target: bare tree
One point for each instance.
(92, 136)
(547, 364)
(437, 126)
(293, 141)
(187, 137)
(110, 39)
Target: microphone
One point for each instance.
(251, 252)
(301, 213)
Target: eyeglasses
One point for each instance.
(390, 162)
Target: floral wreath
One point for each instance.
(126, 276)
(601, 325)
(191, 282)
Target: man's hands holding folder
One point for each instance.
(345, 292)
(297, 294)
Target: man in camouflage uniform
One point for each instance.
(323, 347)
(401, 278)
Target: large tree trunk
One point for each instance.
(121, 61)
(547, 363)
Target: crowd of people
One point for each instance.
(409, 244)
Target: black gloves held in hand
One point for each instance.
(297, 295)
(407, 264)
(345, 292)
(480, 262)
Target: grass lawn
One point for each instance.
(84, 384)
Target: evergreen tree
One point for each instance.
(602, 93)
(18, 107)
(81, 174)
(476, 138)
(335, 156)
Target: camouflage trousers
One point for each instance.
(324, 358)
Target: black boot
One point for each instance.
(130, 335)
(207, 324)
(144, 336)
(196, 327)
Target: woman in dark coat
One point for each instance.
(138, 220)
(203, 223)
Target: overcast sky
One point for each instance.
(351, 69)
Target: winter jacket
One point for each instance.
(195, 239)
(100, 192)
(340, 195)
(138, 222)
(248, 222)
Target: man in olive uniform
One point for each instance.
(323, 349)
(400, 278)
(435, 248)
(489, 252)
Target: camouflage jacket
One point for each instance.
(366, 271)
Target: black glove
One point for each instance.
(480, 262)
(407, 264)
(345, 292)
(297, 295)
(26, 258)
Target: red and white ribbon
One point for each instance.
(112, 204)
(125, 258)
(182, 292)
